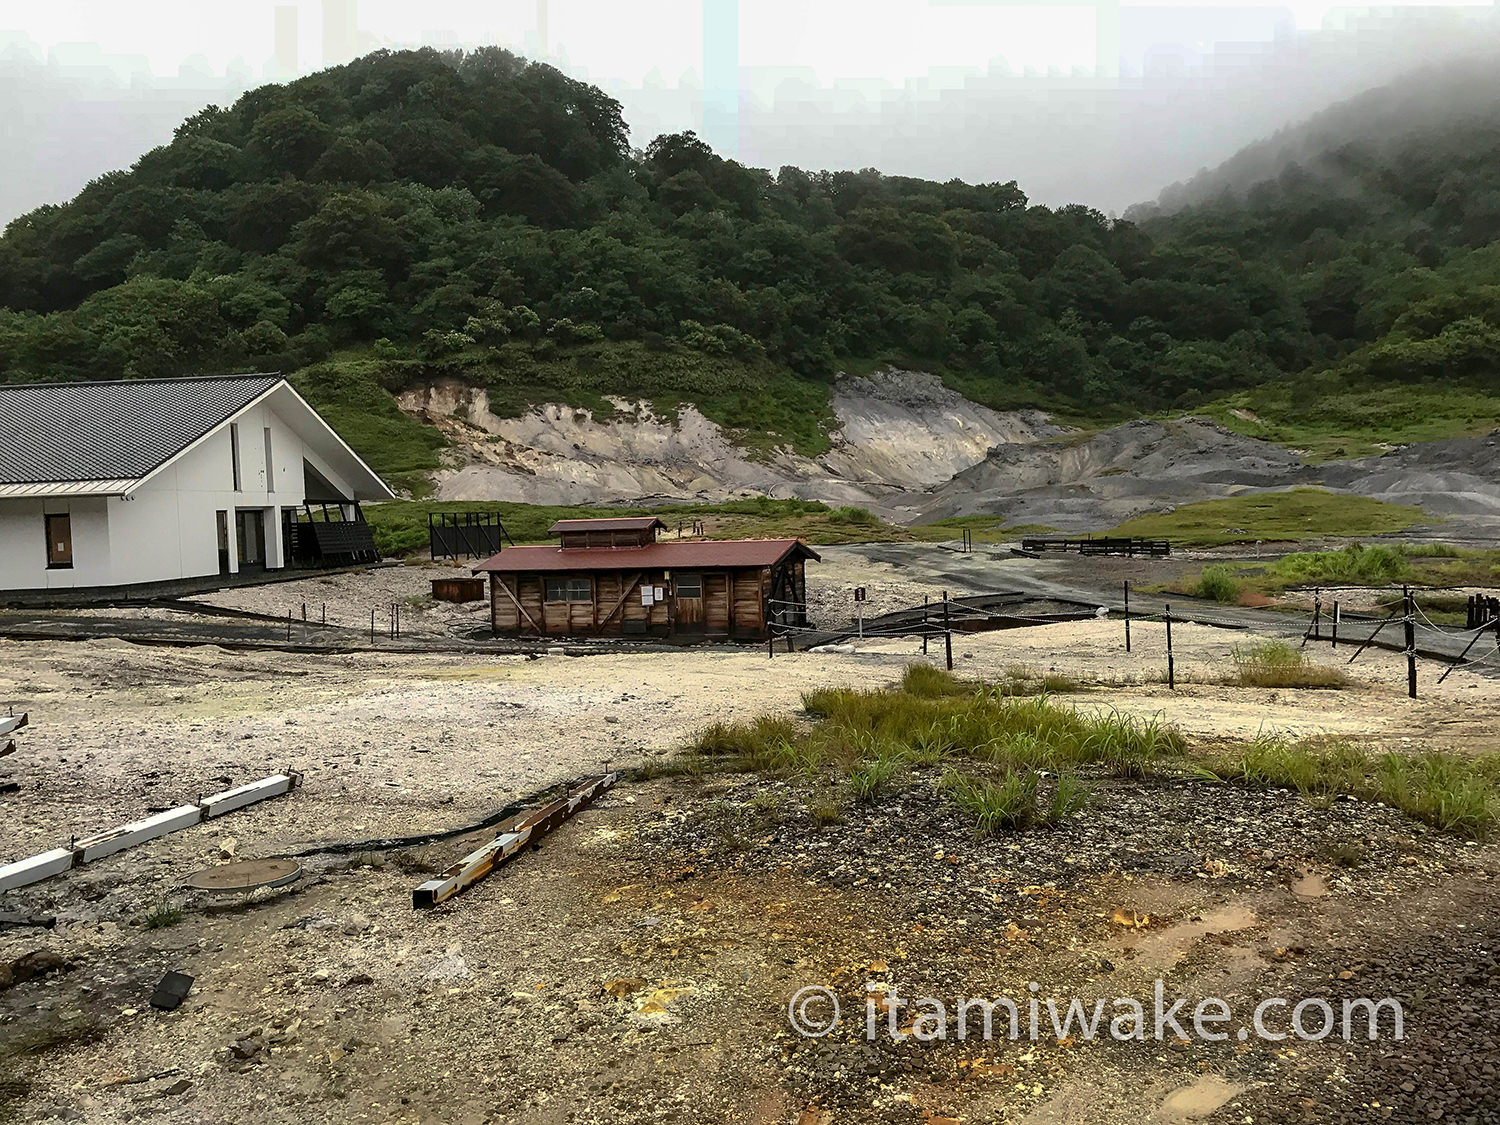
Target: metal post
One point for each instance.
(1411, 642)
(1337, 613)
(1127, 615)
(770, 643)
(1171, 664)
(289, 626)
(947, 632)
(1317, 614)
(1477, 634)
(925, 600)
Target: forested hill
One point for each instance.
(419, 213)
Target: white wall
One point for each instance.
(167, 529)
(23, 543)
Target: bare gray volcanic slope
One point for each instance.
(1099, 481)
(912, 450)
(1457, 477)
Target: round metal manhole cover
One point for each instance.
(246, 875)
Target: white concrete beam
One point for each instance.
(35, 868)
(47, 864)
(237, 798)
(102, 844)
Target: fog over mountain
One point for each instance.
(1194, 86)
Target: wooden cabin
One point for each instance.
(611, 577)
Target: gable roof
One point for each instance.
(73, 432)
(609, 523)
(690, 554)
(109, 438)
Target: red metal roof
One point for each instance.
(706, 553)
(612, 523)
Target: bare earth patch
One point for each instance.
(639, 965)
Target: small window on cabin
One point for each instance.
(570, 590)
(234, 452)
(690, 586)
(270, 469)
(59, 541)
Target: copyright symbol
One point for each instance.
(805, 1011)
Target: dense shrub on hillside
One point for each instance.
(479, 214)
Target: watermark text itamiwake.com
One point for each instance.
(815, 1011)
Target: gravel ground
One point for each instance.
(638, 967)
(348, 597)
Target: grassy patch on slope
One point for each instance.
(1330, 417)
(353, 400)
(1301, 513)
(762, 405)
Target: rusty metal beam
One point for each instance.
(526, 829)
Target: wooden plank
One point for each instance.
(526, 830)
(630, 585)
(517, 603)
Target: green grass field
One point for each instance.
(1301, 513)
(1330, 419)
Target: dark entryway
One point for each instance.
(250, 524)
(222, 518)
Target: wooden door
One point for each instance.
(59, 541)
(687, 594)
(716, 608)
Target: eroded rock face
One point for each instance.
(898, 432)
(911, 450)
(1115, 474)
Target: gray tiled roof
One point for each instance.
(112, 431)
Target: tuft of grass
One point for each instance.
(931, 682)
(1442, 789)
(826, 812)
(1218, 583)
(1457, 794)
(869, 779)
(1278, 664)
(1130, 746)
(1354, 565)
(163, 914)
(1015, 801)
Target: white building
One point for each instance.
(144, 481)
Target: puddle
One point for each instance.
(1308, 884)
(1164, 948)
(1192, 1103)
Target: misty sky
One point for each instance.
(1100, 103)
